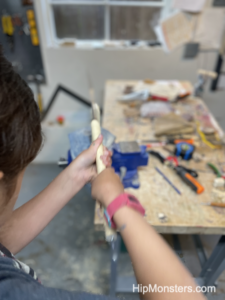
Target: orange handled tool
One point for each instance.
(187, 175)
(189, 179)
(177, 141)
(188, 141)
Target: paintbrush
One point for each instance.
(96, 131)
(215, 204)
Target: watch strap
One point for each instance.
(124, 199)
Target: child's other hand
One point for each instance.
(106, 187)
(84, 167)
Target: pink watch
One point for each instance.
(122, 200)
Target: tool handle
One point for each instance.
(158, 155)
(96, 131)
(217, 204)
(40, 102)
(192, 172)
(188, 141)
(190, 180)
(110, 234)
(215, 170)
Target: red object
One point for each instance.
(156, 144)
(60, 119)
(122, 200)
(159, 98)
(173, 159)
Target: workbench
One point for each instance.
(184, 213)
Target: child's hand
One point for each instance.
(84, 167)
(106, 187)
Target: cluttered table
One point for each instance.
(170, 208)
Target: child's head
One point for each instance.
(20, 130)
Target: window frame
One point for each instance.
(49, 21)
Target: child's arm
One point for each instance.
(153, 260)
(30, 219)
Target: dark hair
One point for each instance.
(20, 128)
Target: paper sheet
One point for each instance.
(189, 5)
(210, 28)
(176, 30)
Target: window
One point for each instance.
(99, 20)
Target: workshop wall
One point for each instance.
(69, 67)
(18, 46)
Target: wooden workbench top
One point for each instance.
(184, 213)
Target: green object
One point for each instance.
(215, 170)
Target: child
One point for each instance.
(20, 141)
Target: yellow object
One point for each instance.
(7, 25)
(34, 37)
(32, 23)
(30, 14)
(203, 138)
(35, 40)
(33, 28)
(39, 101)
(33, 31)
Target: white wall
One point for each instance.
(69, 66)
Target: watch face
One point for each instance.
(132, 198)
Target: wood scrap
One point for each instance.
(172, 124)
(128, 89)
(218, 195)
(134, 104)
(210, 74)
(149, 81)
(219, 182)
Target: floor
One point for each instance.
(70, 254)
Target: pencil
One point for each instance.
(164, 176)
